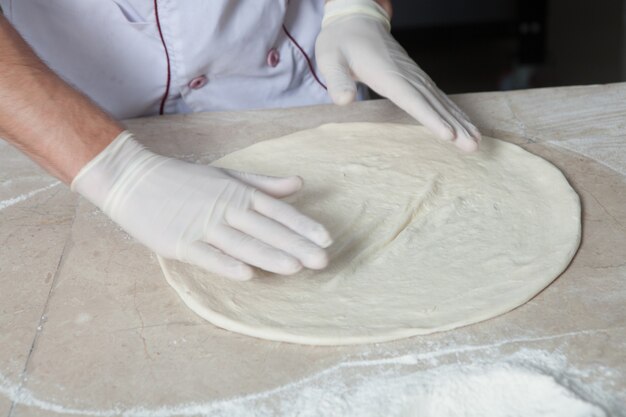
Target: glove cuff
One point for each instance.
(107, 176)
(336, 9)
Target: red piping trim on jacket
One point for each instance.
(167, 56)
(308, 60)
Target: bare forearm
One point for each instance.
(52, 123)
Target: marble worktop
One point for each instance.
(88, 325)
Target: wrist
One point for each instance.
(340, 9)
(111, 171)
(385, 4)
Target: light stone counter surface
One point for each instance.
(88, 325)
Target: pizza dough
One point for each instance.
(427, 237)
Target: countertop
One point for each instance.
(88, 325)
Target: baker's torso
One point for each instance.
(127, 55)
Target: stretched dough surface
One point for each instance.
(427, 238)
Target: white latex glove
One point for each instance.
(223, 221)
(355, 45)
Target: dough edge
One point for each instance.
(284, 334)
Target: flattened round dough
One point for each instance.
(427, 238)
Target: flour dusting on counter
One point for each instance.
(529, 383)
(22, 197)
(605, 150)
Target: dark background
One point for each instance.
(485, 45)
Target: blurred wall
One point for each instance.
(587, 41)
(412, 13)
(478, 45)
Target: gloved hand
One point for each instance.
(355, 45)
(223, 221)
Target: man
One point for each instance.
(139, 57)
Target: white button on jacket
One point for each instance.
(145, 57)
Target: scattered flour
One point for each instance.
(18, 199)
(529, 383)
(609, 151)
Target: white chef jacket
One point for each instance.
(146, 57)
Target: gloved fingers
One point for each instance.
(278, 236)
(458, 114)
(461, 115)
(275, 186)
(453, 105)
(336, 71)
(213, 260)
(421, 99)
(408, 98)
(341, 86)
(252, 251)
(463, 137)
(416, 93)
(292, 218)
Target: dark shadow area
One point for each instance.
(483, 45)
